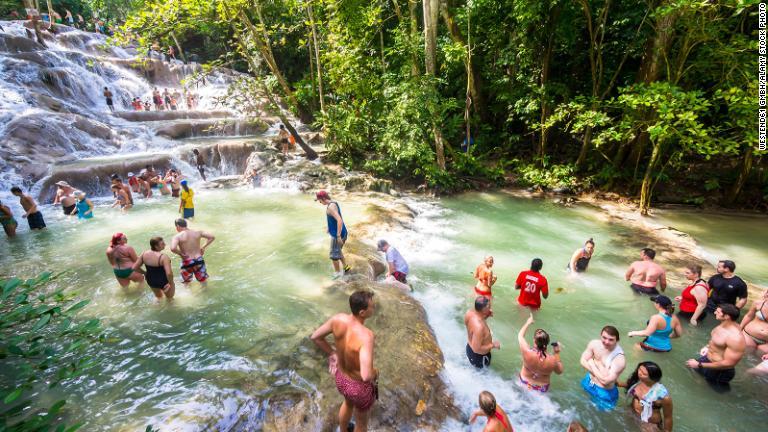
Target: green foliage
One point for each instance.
(546, 176)
(42, 344)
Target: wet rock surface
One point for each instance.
(202, 128)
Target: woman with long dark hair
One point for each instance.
(650, 399)
(661, 327)
(538, 365)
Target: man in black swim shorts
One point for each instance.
(479, 339)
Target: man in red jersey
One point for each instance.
(531, 283)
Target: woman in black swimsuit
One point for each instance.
(580, 259)
(158, 272)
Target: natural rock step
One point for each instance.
(202, 128)
(145, 116)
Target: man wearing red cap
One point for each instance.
(337, 229)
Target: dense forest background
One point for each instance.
(648, 98)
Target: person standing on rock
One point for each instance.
(283, 136)
(200, 162)
(645, 274)
(479, 338)
(337, 229)
(186, 244)
(726, 287)
(498, 420)
(186, 203)
(157, 99)
(485, 277)
(108, 97)
(604, 361)
(167, 98)
(397, 268)
(532, 285)
(7, 221)
(65, 197)
(31, 213)
(351, 360)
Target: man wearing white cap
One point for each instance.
(65, 197)
(397, 267)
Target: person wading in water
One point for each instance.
(186, 244)
(485, 277)
(580, 259)
(646, 274)
(479, 338)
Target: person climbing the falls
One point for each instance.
(580, 259)
(604, 361)
(167, 98)
(283, 136)
(173, 178)
(485, 277)
(158, 273)
(532, 285)
(397, 267)
(7, 221)
(200, 163)
(157, 99)
(186, 203)
(83, 207)
(337, 229)
(498, 420)
(122, 257)
(108, 97)
(538, 365)
(645, 274)
(65, 196)
(351, 360)
(186, 244)
(479, 339)
(32, 214)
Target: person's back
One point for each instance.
(495, 424)
(349, 336)
(189, 243)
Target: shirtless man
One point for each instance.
(645, 274)
(479, 338)
(117, 181)
(485, 277)
(537, 364)
(725, 349)
(65, 197)
(186, 244)
(31, 213)
(351, 361)
(200, 163)
(604, 361)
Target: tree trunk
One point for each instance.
(431, 8)
(476, 84)
(178, 47)
(414, 36)
(311, 14)
(645, 188)
(544, 80)
(586, 143)
(746, 167)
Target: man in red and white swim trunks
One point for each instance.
(186, 244)
(351, 361)
(485, 277)
(532, 285)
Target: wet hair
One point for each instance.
(590, 241)
(481, 302)
(650, 253)
(540, 341)
(116, 239)
(487, 403)
(730, 310)
(154, 242)
(359, 301)
(116, 187)
(195, 151)
(536, 264)
(611, 330)
(180, 222)
(15, 189)
(730, 265)
(654, 373)
(576, 427)
(694, 268)
(282, 126)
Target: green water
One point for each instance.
(213, 355)
(216, 356)
(453, 239)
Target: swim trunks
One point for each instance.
(360, 394)
(189, 213)
(399, 276)
(482, 293)
(175, 193)
(69, 209)
(336, 247)
(604, 399)
(644, 290)
(537, 387)
(715, 376)
(193, 266)
(35, 220)
(123, 273)
(478, 360)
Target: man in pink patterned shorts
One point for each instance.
(186, 244)
(351, 362)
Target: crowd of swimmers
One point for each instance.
(165, 101)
